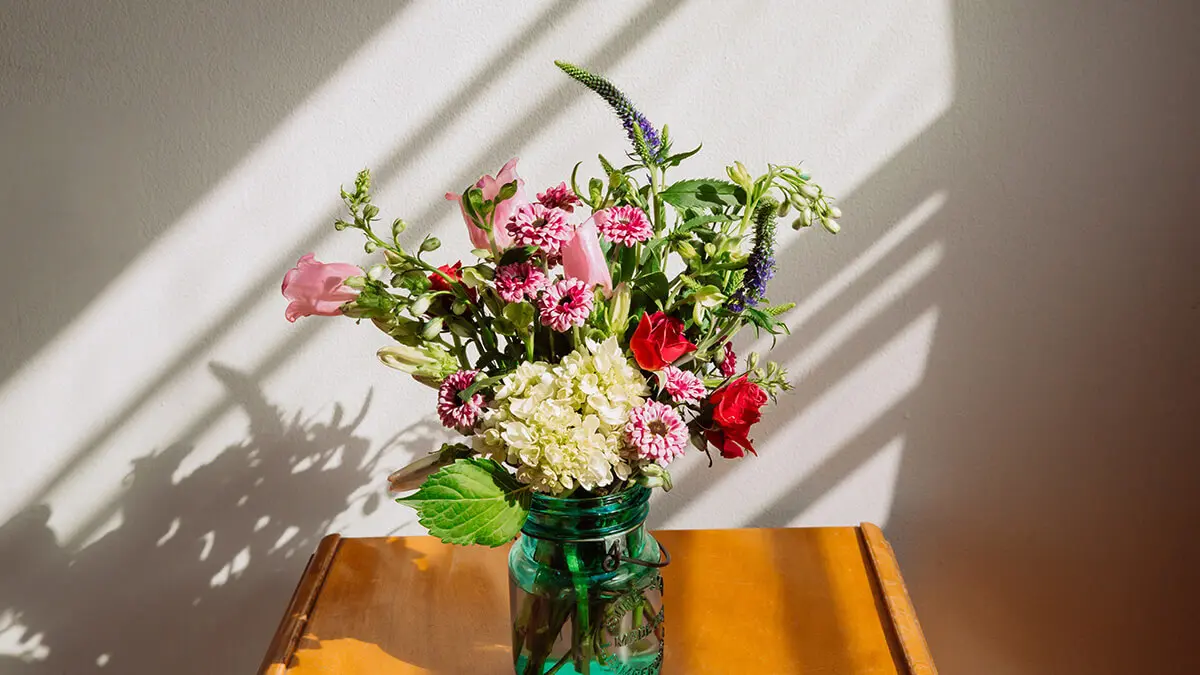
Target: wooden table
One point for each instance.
(810, 600)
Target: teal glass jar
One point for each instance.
(585, 589)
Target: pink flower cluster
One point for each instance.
(536, 225)
(565, 304)
(520, 281)
(656, 432)
(683, 386)
(454, 412)
(559, 197)
(624, 225)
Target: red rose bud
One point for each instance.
(736, 407)
(658, 341)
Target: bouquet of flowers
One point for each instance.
(588, 344)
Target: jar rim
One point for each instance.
(635, 493)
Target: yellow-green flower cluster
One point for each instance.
(562, 425)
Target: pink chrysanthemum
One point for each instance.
(536, 225)
(625, 225)
(728, 364)
(559, 197)
(656, 432)
(565, 304)
(519, 281)
(683, 386)
(454, 412)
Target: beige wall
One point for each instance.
(995, 359)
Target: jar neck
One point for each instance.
(574, 520)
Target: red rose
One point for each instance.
(438, 283)
(658, 341)
(736, 407)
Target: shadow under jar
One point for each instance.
(584, 588)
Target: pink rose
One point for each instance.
(317, 288)
(504, 210)
(582, 258)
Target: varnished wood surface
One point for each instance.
(810, 600)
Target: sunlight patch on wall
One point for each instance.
(870, 487)
(875, 385)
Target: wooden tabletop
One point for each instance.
(809, 600)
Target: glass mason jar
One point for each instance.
(584, 588)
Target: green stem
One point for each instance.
(582, 621)
(458, 351)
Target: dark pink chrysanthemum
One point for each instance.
(565, 304)
(683, 386)
(625, 225)
(728, 363)
(536, 225)
(656, 432)
(519, 281)
(559, 197)
(454, 412)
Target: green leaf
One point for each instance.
(472, 501)
(506, 192)
(674, 160)
(705, 193)
(692, 223)
(516, 254)
(655, 285)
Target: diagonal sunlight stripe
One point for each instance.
(637, 27)
(312, 120)
(905, 228)
(873, 386)
(898, 283)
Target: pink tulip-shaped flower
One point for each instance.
(582, 258)
(317, 288)
(504, 210)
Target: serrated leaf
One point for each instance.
(516, 254)
(472, 501)
(674, 160)
(705, 193)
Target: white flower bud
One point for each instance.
(420, 305)
(811, 191)
(432, 328)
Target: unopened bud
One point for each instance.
(405, 358)
(685, 250)
(835, 212)
(398, 226)
(431, 244)
(357, 283)
(751, 360)
(831, 225)
(619, 309)
(810, 191)
(432, 328)
(420, 305)
(459, 307)
(376, 272)
(370, 247)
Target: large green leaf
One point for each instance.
(472, 501)
(706, 193)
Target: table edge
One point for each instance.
(291, 627)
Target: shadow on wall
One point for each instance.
(116, 121)
(195, 577)
(1046, 486)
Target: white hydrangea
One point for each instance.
(562, 425)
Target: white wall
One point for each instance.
(996, 359)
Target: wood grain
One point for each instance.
(776, 601)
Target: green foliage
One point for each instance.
(705, 193)
(472, 501)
